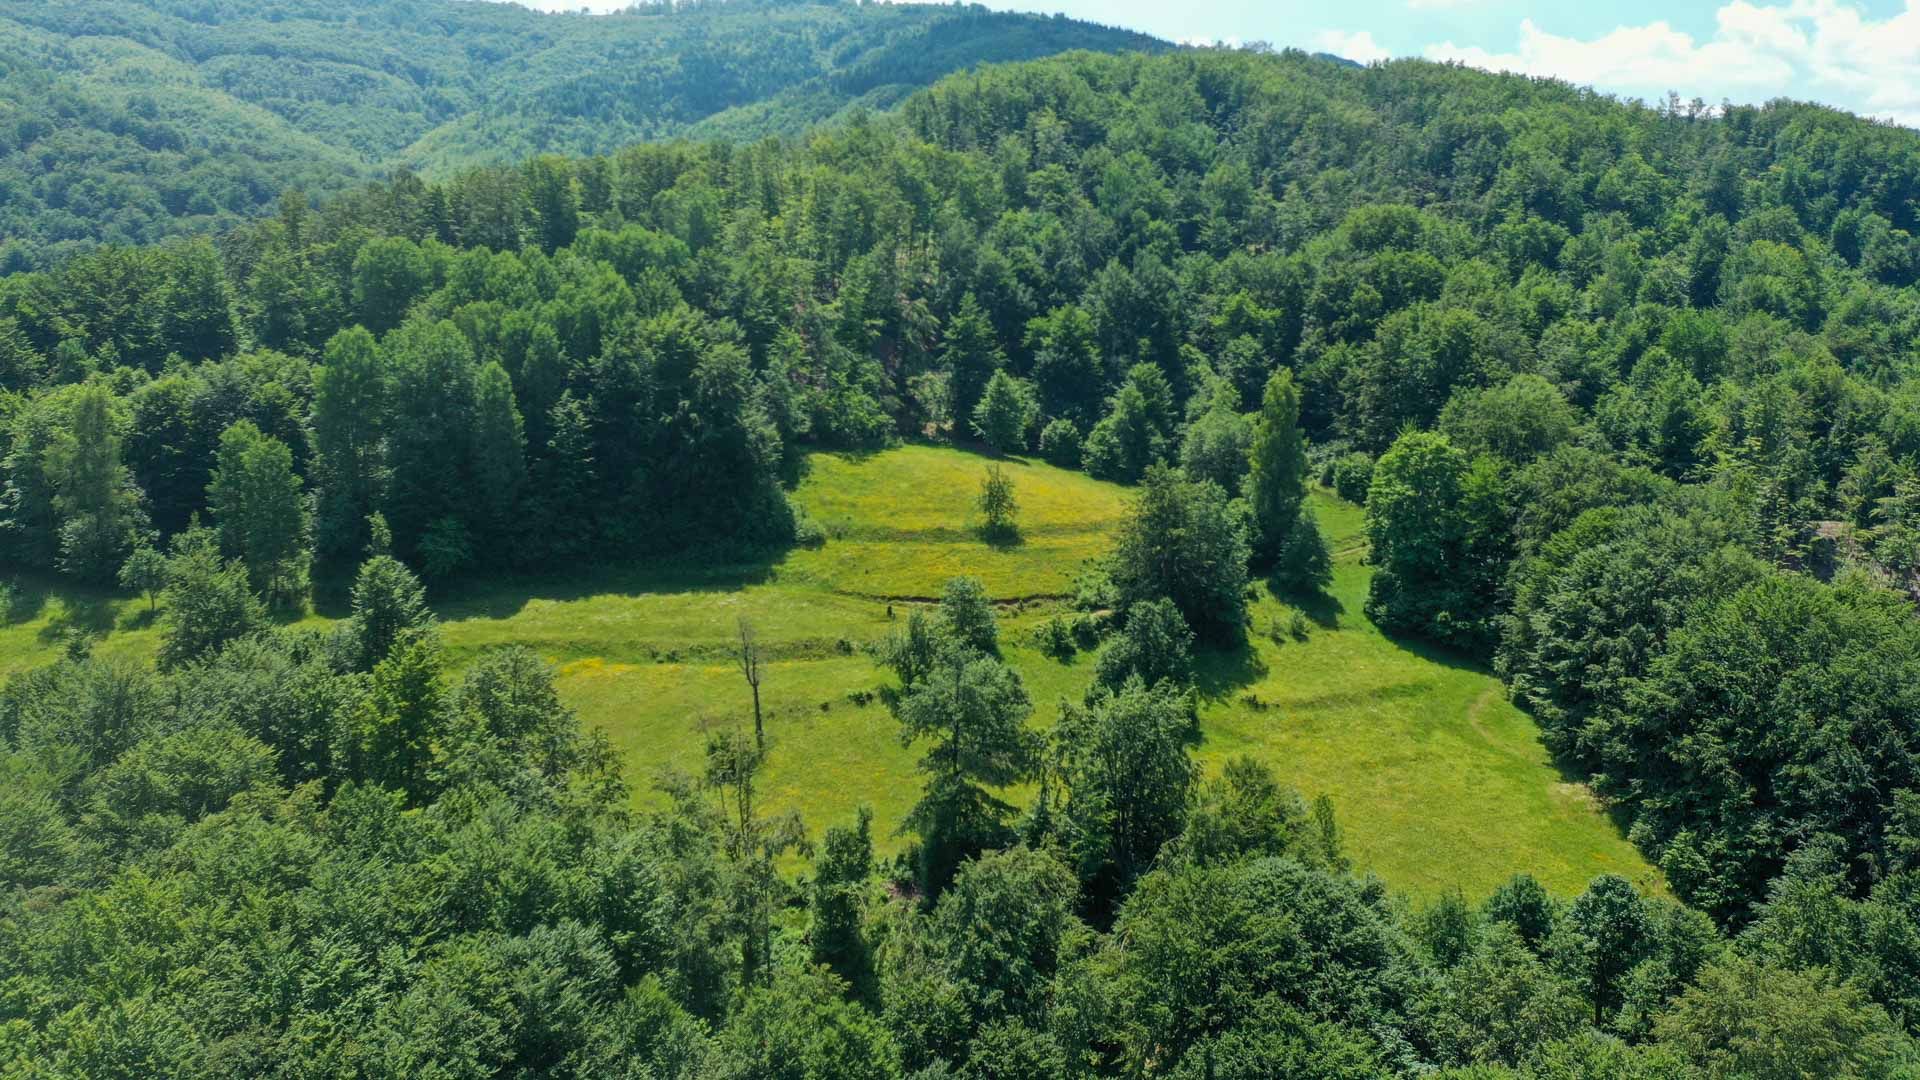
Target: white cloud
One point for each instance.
(1826, 50)
(1358, 46)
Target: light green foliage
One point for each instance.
(1217, 443)
(1002, 931)
(803, 1028)
(1419, 756)
(1060, 443)
(1154, 646)
(93, 492)
(972, 357)
(1433, 520)
(406, 721)
(261, 514)
(751, 846)
(1126, 441)
(389, 609)
(388, 274)
(499, 456)
(215, 135)
(1516, 423)
(1304, 564)
(209, 602)
(1353, 475)
(999, 508)
(1666, 366)
(1005, 414)
(840, 887)
(349, 413)
(1277, 473)
(967, 618)
(1748, 1020)
(145, 572)
(1500, 1003)
(970, 711)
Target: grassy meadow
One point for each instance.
(1437, 779)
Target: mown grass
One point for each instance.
(1439, 782)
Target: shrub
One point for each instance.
(1060, 443)
(1352, 476)
(1057, 638)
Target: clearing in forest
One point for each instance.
(1438, 781)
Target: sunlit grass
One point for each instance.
(1438, 780)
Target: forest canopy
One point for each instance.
(129, 121)
(1628, 393)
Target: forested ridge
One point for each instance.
(1625, 392)
(128, 121)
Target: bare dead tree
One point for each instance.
(750, 668)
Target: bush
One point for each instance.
(808, 532)
(1352, 476)
(1323, 456)
(1060, 443)
(1056, 637)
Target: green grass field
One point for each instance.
(1438, 780)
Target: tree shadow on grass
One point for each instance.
(1321, 606)
(502, 597)
(1446, 656)
(28, 601)
(92, 615)
(1006, 539)
(1219, 670)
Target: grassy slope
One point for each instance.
(1437, 779)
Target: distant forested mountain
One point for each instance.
(127, 121)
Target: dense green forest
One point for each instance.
(1626, 393)
(128, 121)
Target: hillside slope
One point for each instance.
(132, 120)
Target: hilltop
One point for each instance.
(133, 120)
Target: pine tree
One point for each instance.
(1005, 412)
(499, 456)
(972, 357)
(973, 709)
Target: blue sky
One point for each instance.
(1862, 55)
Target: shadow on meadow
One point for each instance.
(1219, 670)
(92, 615)
(1322, 607)
(503, 598)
